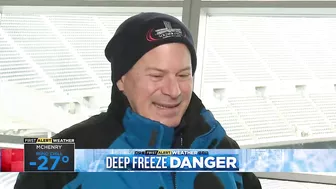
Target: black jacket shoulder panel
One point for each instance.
(98, 131)
(250, 180)
(43, 180)
(228, 143)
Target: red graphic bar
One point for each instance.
(11, 160)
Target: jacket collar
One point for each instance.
(149, 132)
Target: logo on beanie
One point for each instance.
(167, 32)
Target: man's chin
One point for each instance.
(171, 123)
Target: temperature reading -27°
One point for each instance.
(55, 161)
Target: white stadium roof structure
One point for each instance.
(269, 80)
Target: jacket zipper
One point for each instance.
(180, 145)
(174, 179)
(174, 173)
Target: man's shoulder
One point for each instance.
(82, 128)
(228, 143)
(249, 180)
(94, 132)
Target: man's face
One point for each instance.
(159, 86)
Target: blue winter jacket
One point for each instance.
(121, 128)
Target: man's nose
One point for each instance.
(171, 87)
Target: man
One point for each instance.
(153, 107)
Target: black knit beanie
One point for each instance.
(140, 34)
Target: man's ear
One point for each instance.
(120, 84)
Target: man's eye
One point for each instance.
(156, 76)
(184, 75)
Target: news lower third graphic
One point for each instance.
(242, 160)
(155, 160)
(46, 154)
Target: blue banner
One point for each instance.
(243, 160)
